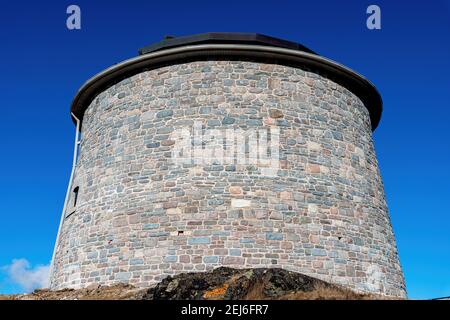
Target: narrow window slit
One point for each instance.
(75, 195)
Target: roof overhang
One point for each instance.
(336, 72)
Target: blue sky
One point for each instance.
(43, 64)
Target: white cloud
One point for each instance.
(28, 278)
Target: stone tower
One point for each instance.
(226, 149)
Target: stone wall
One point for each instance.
(140, 216)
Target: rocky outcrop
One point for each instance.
(219, 284)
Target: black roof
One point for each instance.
(223, 37)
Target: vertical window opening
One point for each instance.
(75, 196)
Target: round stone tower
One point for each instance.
(226, 149)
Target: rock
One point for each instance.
(167, 142)
(164, 114)
(242, 284)
(172, 286)
(92, 287)
(313, 168)
(228, 120)
(219, 284)
(275, 113)
(199, 240)
(274, 236)
(240, 203)
(205, 110)
(235, 190)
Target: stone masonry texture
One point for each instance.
(140, 216)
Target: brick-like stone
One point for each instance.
(313, 168)
(275, 113)
(274, 236)
(123, 276)
(167, 142)
(199, 240)
(228, 260)
(205, 110)
(164, 113)
(210, 259)
(240, 203)
(149, 226)
(235, 190)
(136, 261)
(228, 120)
(235, 252)
(170, 259)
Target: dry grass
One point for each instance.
(320, 292)
(115, 292)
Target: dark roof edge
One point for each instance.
(342, 75)
(223, 38)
